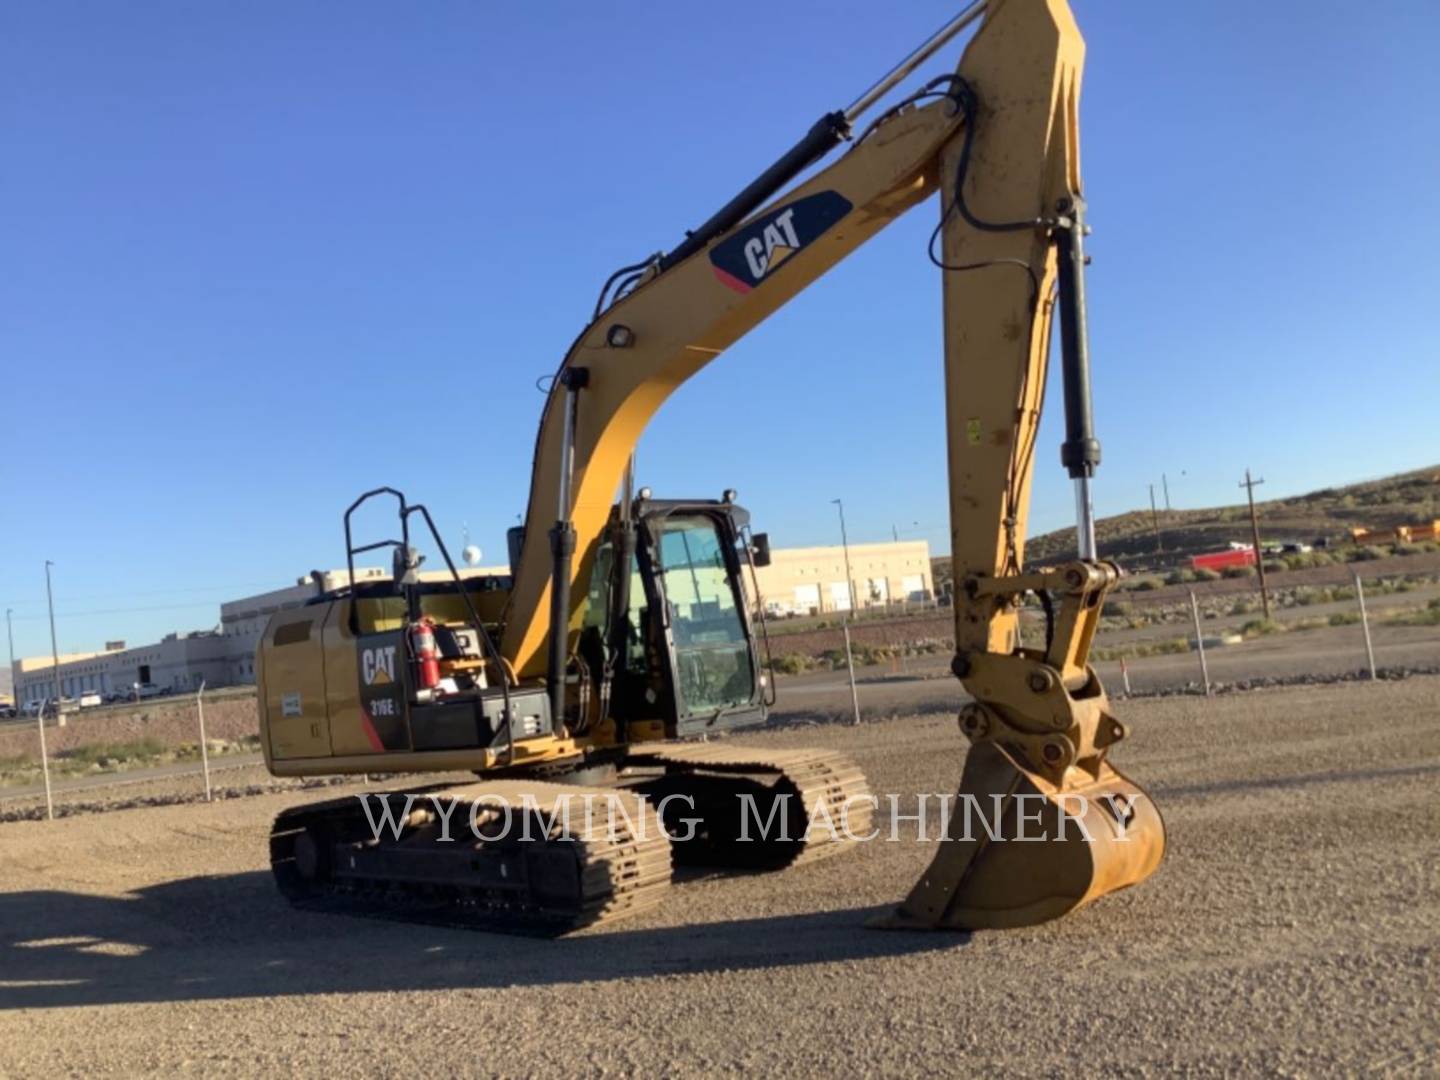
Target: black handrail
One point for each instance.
(486, 641)
(351, 550)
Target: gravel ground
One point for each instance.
(1293, 929)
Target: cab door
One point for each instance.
(695, 584)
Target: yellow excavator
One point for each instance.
(628, 629)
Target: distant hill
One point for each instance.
(1330, 513)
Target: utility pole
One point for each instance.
(1165, 483)
(845, 544)
(1154, 519)
(1249, 485)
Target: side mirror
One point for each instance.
(760, 549)
(514, 544)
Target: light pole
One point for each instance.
(59, 716)
(1165, 485)
(845, 544)
(895, 530)
(14, 690)
(54, 650)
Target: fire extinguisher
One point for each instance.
(424, 654)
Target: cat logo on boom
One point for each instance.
(759, 248)
(776, 243)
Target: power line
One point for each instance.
(186, 591)
(117, 611)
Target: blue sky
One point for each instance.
(263, 256)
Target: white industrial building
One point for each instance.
(223, 656)
(178, 662)
(814, 580)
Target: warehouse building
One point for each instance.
(180, 662)
(177, 662)
(812, 580)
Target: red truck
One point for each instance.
(1223, 560)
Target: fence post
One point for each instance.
(1200, 642)
(204, 750)
(850, 667)
(45, 760)
(1125, 676)
(1365, 624)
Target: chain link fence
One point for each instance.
(1182, 638)
(180, 738)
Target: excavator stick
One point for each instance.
(1042, 823)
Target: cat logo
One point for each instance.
(377, 665)
(758, 249)
(773, 246)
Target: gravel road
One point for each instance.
(1293, 929)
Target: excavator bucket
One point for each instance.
(1019, 850)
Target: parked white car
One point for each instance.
(91, 698)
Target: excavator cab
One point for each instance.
(667, 635)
